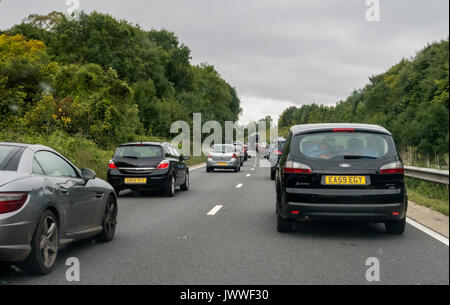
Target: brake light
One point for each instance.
(10, 202)
(278, 152)
(209, 156)
(112, 165)
(343, 130)
(392, 168)
(233, 156)
(296, 168)
(163, 164)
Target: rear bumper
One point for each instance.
(153, 181)
(366, 205)
(15, 240)
(365, 212)
(229, 164)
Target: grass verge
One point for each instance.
(428, 194)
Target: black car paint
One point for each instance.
(156, 178)
(377, 200)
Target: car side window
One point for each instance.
(37, 169)
(55, 166)
(168, 152)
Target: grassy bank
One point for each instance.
(429, 194)
(82, 152)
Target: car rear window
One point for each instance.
(343, 145)
(223, 149)
(139, 151)
(281, 145)
(10, 157)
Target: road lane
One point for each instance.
(173, 241)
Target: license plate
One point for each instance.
(135, 180)
(345, 180)
(222, 163)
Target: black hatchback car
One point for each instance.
(148, 165)
(341, 171)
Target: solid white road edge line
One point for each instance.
(428, 231)
(198, 166)
(214, 210)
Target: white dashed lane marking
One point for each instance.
(214, 210)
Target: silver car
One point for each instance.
(46, 203)
(223, 156)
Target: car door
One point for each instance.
(77, 200)
(181, 166)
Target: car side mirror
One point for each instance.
(185, 158)
(87, 174)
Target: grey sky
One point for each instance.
(278, 52)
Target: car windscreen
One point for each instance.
(9, 157)
(139, 151)
(343, 145)
(222, 149)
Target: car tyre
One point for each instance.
(169, 189)
(396, 227)
(44, 246)
(272, 174)
(185, 185)
(283, 225)
(109, 221)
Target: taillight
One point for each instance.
(112, 165)
(209, 156)
(296, 168)
(278, 152)
(343, 130)
(233, 156)
(392, 168)
(10, 202)
(163, 164)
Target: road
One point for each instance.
(174, 241)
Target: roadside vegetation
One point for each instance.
(411, 100)
(83, 87)
(428, 194)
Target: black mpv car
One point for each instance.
(341, 171)
(148, 165)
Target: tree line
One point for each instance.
(411, 100)
(103, 79)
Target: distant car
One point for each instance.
(246, 154)
(148, 166)
(240, 151)
(46, 203)
(275, 155)
(266, 153)
(341, 171)
(223, 156)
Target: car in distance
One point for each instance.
(240, 151)
(275, 155)
(223, 156)
(46, 203)
(148, 166)
(341, 171)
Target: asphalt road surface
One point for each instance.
(223, 231)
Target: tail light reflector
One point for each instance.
(10, 202)
(112, 165)
(392, 168)
(296, 168)
(163, 164)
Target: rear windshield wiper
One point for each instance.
(360, 157)
(130, 157)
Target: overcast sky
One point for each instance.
(278, 53)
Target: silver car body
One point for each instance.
(223, 158)
(79, 205)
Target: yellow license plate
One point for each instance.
(345, 180)
(135, 180)
(222, 163)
